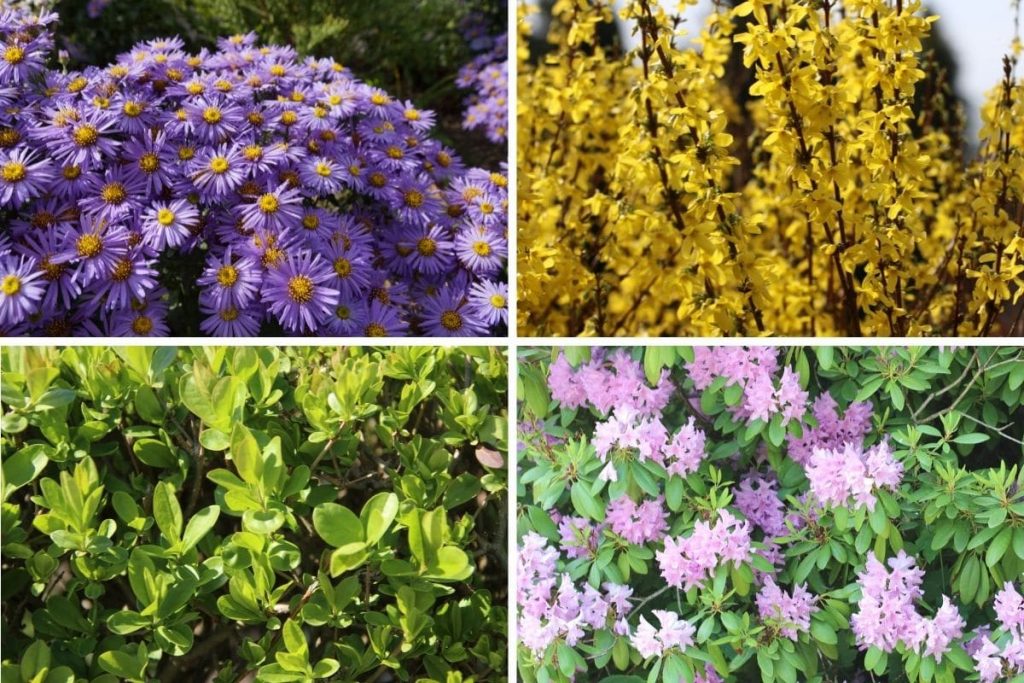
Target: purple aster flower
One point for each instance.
(298, 295)
(426, 250)
(22, 177)
(61, 287)
(350, 316)
(21, 59)
(227, 320)
(115, 195)
(20, 289)
(155, 159)
(275, 209)
(217, 172)
(448, 315)
(169, 224)
(93, 248)
(215, 119)
(321, 175)
(489, 301)
(230, 281)
(383, 320)
(416, 201)
(481, 249)
(130, 278)
(141, 318)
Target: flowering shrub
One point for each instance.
(487, 77)
(277, 194)
(229, 514)
(798, 169)
(742, 514)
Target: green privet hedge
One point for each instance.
(224, 514)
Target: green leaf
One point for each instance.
(462, 489)
(199, 526)
(154, 453)
(452, 565)
(586, 504)
(998, 547)
(24, 466)
(974, 438)
(148, 406)
(823, 633)
(126, 622)
(377, 516)
(35, 659)
(167, 511)
(124, 665)
(245, 453)
(337, 525)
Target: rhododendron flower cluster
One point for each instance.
(638, 523)
(686, 562)
(863, 535)
(315, 203)
(553, 607)
(753, 371)
(853, 473)
(672, 633)
(887, 615)
(994, 662)
(788, 612)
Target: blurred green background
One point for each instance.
(411, 48)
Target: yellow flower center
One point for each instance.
(212, 115)
(289, 118)
(132, 108)
(114, 193)
(414, 199)
(253, 152)
(451, 321)
(375, 330)
(186, 153)
(486, 208)
(311, 221)
(13, 172)
(43, 219)
(89, 245)
(78, 85)
(255, 118)
(471, 193)
(122, 271)
(444, 159)
(11, 285)
(379, 99)
(426, 246)
(499, 180)
(498, 301)
(343, 267)
(300, 289)
(52, 271)
(14, 55)
(227, 276)
(142, 325)
(195, 88)
(229, 314)
(343, 312)
(482, 248)
(9, 137)
(86, 135)
(272, 256)
(149, 162)
(378, 179)
(268, 203)
(71, 172)
(219, 165)
(322, 169)
(412, 115)
(165, 217)
(277, 70)
(395, 152)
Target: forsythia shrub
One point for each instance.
(221, 514)
(741, 514)
(797, 191)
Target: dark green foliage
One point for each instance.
(297, 514)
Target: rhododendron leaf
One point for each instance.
(585, 504)
(998, 547)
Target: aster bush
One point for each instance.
(790, 167)
(776, 514)
(233, 192)
(229, 514)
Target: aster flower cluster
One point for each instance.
(316, 203)
(754, 370)
(790, 613)
(638, 522)
(887, 615)
(837, 476)
(687, 561)
(993, 662)
(832, 431)
(486, 76)
(551, 606)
